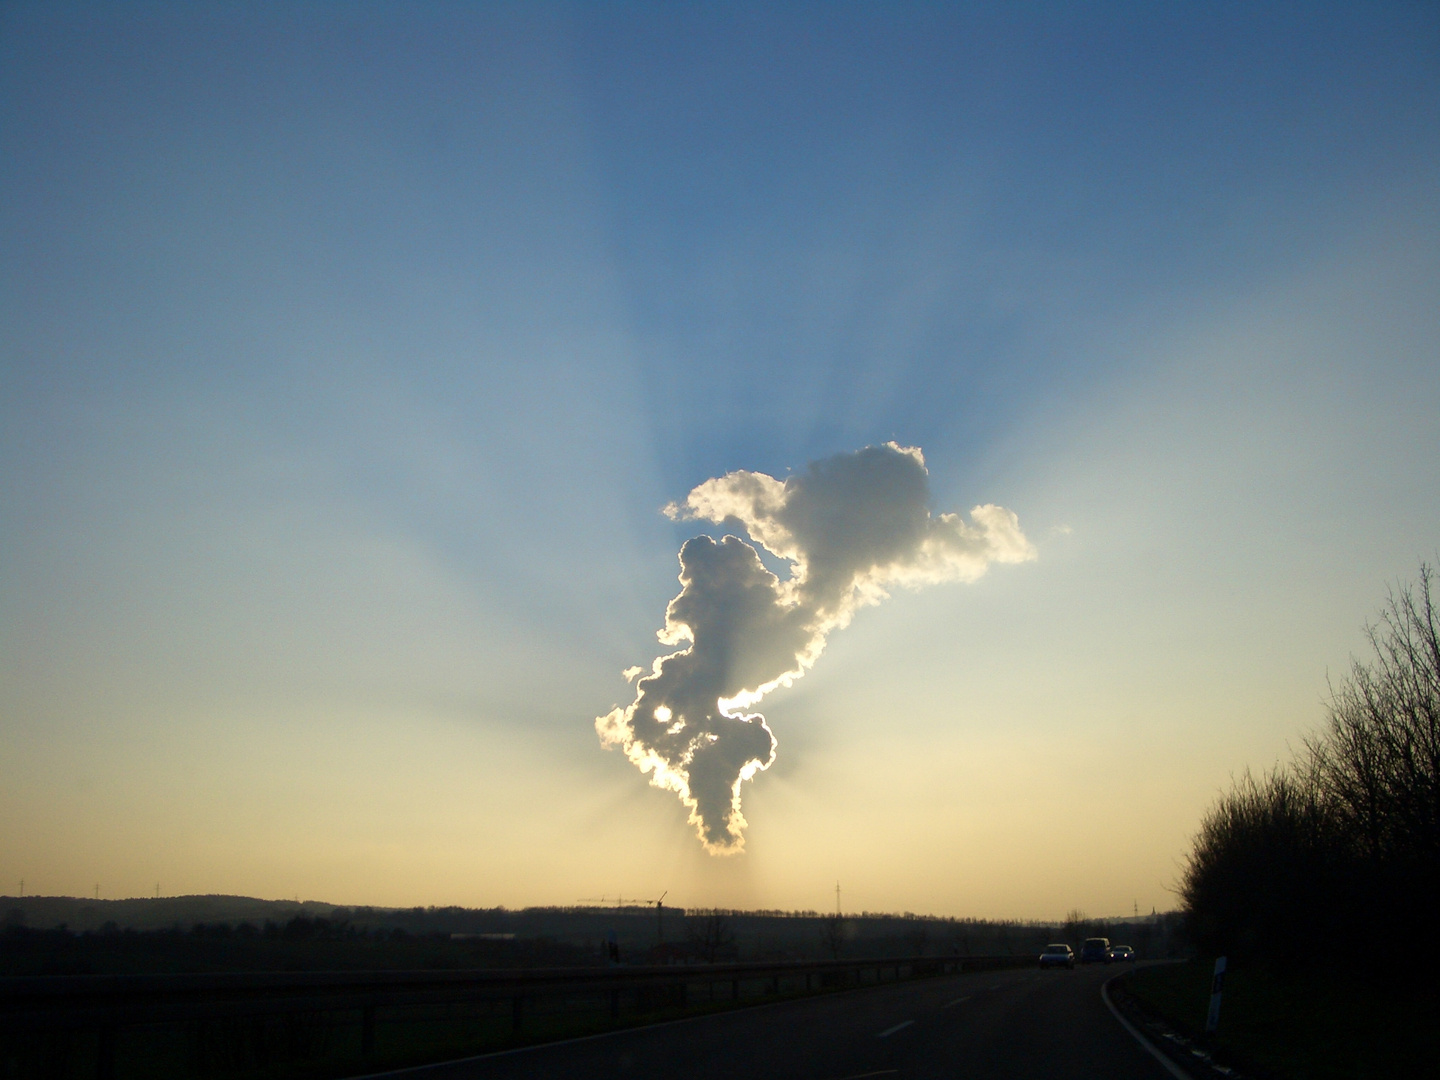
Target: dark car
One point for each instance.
(1057, 956)
(1122, 953)
(1096, 950)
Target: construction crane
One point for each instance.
(659, 916)
(619, 901)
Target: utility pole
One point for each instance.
(837, 898)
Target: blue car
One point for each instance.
(1057, 956)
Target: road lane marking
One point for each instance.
(898, 1027)
(877, 1072)
(957, 1001)
(1159, 1055)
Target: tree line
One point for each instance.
(1336, 855)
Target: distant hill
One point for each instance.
(80, 914)
(750, 934)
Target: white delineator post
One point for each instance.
(1217, 984)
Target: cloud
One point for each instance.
(851, 527)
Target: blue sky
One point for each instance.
(348, 352)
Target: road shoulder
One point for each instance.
(1181, 1056)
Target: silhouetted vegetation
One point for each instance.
(711, 937)
(300, 944)
(35, 939)
(1279, 1021)
(1307, 860)
(832, 935)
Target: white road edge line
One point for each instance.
(1160, 1056)
(904, 1024)
(957, 1001)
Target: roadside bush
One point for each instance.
(1347, 836)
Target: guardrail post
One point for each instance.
(735, 990)
(517, 1013)
(367, 1031)
(614, 1004)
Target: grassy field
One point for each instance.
(1322, 1023)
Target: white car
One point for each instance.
(1057, 956)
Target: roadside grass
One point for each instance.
(1320, 1023)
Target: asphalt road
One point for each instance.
(1010, 1025)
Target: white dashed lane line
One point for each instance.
(957, 1001)
(891, 1030)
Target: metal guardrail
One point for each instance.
(107, 1003)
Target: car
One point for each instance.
(1096, 950)
(1121, 953)
(1057, 956)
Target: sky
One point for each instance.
(350, 355)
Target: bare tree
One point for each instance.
(1380, 754)
(960, 938)
(832, 935)
(712, 937)
(1349, 832)
(916, 938)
